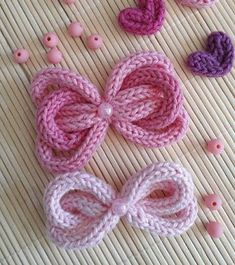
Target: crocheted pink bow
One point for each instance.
(81, 209)
(142, 100)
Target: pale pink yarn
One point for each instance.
(81, 209)
(142, 100)
(197, 3)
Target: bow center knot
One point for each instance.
(120, 207)
(105, 110)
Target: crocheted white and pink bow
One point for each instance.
(142, 100)
(81, 209)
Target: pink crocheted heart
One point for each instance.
(197, 3)
(144, 20)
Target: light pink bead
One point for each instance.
(215, 146)
(214, 229)
(94, 41)
(75, 29)
(213, 201)
(54, 56)
(69, 2)
(105, 110)
(120, 207)
(50, 40)
(20, 56)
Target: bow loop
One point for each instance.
(60, 79)
(74, 198)
(81, 208)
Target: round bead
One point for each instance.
(50, 40)
(20, 56)
(105, 110)
(214, 229)
(75, 29)
(119, 207)
(94, 41)
(213, 201)
(54, 56)
(69, 2)
(215, 146)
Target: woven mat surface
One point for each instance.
(23, 238)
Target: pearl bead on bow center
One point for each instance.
(105, 110)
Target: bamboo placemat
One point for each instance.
(208, 101)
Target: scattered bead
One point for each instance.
(69, 2)
(94, 41)
(213, 201)
(215, 146)
(20, 56)
(54, 56)
(214, 229)
(50, 40)
(75, 29)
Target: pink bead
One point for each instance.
(214, 229)
(213, 201)
(75, 29)
(215, 146)
(20, 56)
(69, 2)
(105, 110)
(50, 40)
(94, 41)
(54, 56)
(119, 207)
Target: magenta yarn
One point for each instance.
(142, 100)
(147, 19)
(81, 209)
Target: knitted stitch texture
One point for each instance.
(144, 20)
(197, 3)
(81, 209)
(217, 60)
(142, 100)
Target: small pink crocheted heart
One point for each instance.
(197, 3)
(144, 20)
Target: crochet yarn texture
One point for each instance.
(144, 20)
(142, 100)
(217, 60)
(197, 3)
(81, 209)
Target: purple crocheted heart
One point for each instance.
(144, 20)
(217, 60)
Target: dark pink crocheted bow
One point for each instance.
(142, 100)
